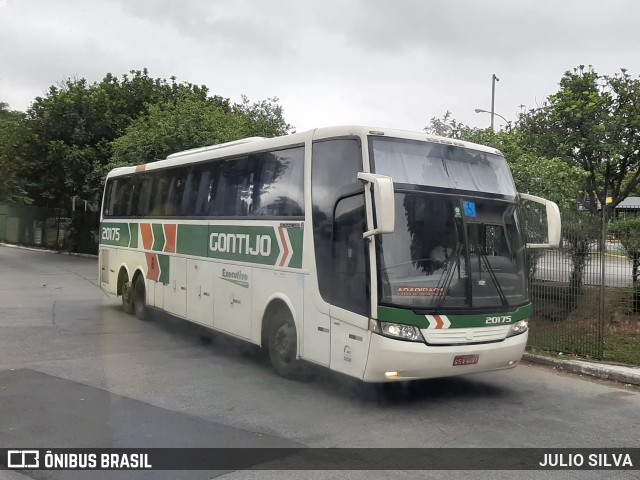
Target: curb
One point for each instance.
(46, 250)
(605, 371)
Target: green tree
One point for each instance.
(580, 231)
(13, 145)
(168, 128)
(69, 132)
(71, 129)
(592, 122)
(449, 127)
(628, 232)
(552, 179)
(192, 122)
(265, 118)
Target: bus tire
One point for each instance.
(139, 298)
(127, 296)
(283, 345)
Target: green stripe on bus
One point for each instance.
(408, 317)
(296, 235)
(158, 237)
(133, 230)
(263, 245)
(244, 244)
(163, 262)
(116, 234)
(193, 240)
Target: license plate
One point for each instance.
(465, 360)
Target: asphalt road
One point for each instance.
(555, 266)
(75, 371)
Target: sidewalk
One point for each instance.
(48, 250)
(606, 371)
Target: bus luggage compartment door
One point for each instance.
(200, 291)
(232, 299)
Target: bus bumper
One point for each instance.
(396, 360)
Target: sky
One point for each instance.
(392, 63)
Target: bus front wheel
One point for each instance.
(139, 296)
(283, 345)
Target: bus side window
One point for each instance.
(134, 194)
(160, 191)
(145, 195)
(279, 183)
(109, 197)
(234, 187)
(190, 194)
(202, 199)
(212, 188)
(334, 170)
(349, 269)
(176, 189)
(122, 196)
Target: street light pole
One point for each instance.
(479, 110)
(494, 79)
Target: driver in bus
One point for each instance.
(441, 253)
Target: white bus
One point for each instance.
(382, 254)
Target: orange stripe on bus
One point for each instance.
(153, 268)
(170, 238)
(147, 235)
(284, 247)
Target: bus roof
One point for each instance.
(253, 144)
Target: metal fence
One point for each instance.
(585, 300)
(60, 229)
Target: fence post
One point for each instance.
(602, 314)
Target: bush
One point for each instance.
(628, 232)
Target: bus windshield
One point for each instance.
(449, 252)
(444, 166)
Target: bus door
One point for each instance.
(350, 298)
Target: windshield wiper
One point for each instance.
(492, 274)
(447, 278)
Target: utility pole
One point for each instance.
(494, 79)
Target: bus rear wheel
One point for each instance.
(283, 346)
(139, 297)
(127, 296)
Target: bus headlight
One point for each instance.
(396, 330)
(518, 328)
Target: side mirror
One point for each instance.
(554, 223)
(383, 202)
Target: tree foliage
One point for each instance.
(449, 127)
(580, 231)
(73, 125)
(13, 148)
(265, 118)
(552, 179)
(191, 123)
(592, 122)
(171, 127)
(628, 232)
(64, 144)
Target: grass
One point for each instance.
(616, 348)
(572, 327)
